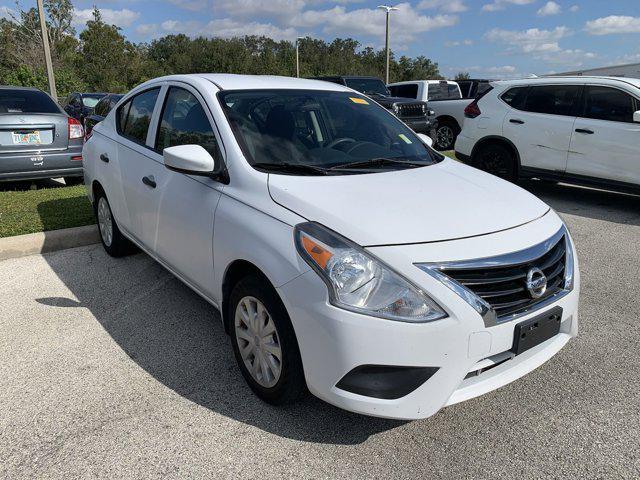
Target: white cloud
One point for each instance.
(549, 8)
(567, 58)
(574, 8)
(6, 12)
(120, 18)
(493, 72)
(613, 24)
(251, 8)
(147, 30)
(502, 4)
(227, 28)
(406, 23)
(447, 6)
(531, 40)
(457, 43)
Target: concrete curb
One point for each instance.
(43, 242)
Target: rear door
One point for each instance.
(31, 124)
(140, 174)
(540, 121)
(606, 142)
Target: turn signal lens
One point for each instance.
(75, 129)
(358, 281)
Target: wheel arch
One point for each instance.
(497, 140)
(96, 188)
(449, 119)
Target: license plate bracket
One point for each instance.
(536, 330)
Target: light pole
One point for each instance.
(388, 9)
(298, 56)
(47, 52)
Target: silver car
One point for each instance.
(37, 138)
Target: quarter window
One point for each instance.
(552, 99)
(605, 103)
(515, 97)
(134, 116)
(184, 122)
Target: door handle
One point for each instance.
(104, 158)
(585, 130)
(516, 121)
(149, 181)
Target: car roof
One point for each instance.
(13, 87)
(229, 81)
(570, 79)
(406, 82)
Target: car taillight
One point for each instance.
(472, 110)
(75, 129)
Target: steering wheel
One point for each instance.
(340, 140)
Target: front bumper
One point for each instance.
(333, 341)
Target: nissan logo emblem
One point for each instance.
(536, 282)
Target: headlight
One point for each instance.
(359, 282)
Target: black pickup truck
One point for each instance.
(412, 112)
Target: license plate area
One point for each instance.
(26, 138)
(536, 330)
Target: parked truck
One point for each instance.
(445, 99)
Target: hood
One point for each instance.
(445, 201)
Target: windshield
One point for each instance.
(307, 131)
(367, 85)
(26, 101)
(91, 100)
(443, 91)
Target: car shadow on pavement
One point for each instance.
(178, 338)
(587, 202)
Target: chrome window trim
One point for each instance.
(483, 308)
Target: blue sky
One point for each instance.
(488, 38)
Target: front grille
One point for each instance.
(504, 287)
(410, 110)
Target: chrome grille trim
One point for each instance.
(556, 247)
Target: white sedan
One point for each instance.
(346, 256)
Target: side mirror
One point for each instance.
(426, 139)
(190, 159)
(636, 116)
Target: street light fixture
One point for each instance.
(298, 56)
(388, 9)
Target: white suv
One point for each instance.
(583, 130)
(297, 208)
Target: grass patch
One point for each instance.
(450, 153)
(44, 209)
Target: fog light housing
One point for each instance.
(384, 381)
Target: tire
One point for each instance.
(111, 237)
(446, 134)
(68, 181)
(497, 160)
(276, 381)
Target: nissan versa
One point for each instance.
(345, 255)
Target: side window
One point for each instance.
(552, 99)
(515, 97)
(101, 107)
(134, 116)
(184, 122)
(605, 103)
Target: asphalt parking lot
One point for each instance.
(112, 368)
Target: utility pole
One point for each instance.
(47, 52)
(388, 9)
(298, 56)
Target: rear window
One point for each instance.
(443, 91)
(91, 100)
(404, 91)
(26, 101)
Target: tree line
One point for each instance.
(101, 58)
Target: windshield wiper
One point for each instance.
(291, 168)
(378, 162)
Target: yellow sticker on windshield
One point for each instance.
(404, 137)
(359, 100)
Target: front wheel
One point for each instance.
(264, 342)
(497, 160)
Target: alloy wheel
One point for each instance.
(444, 136)
(105, 222)
(258, 341)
